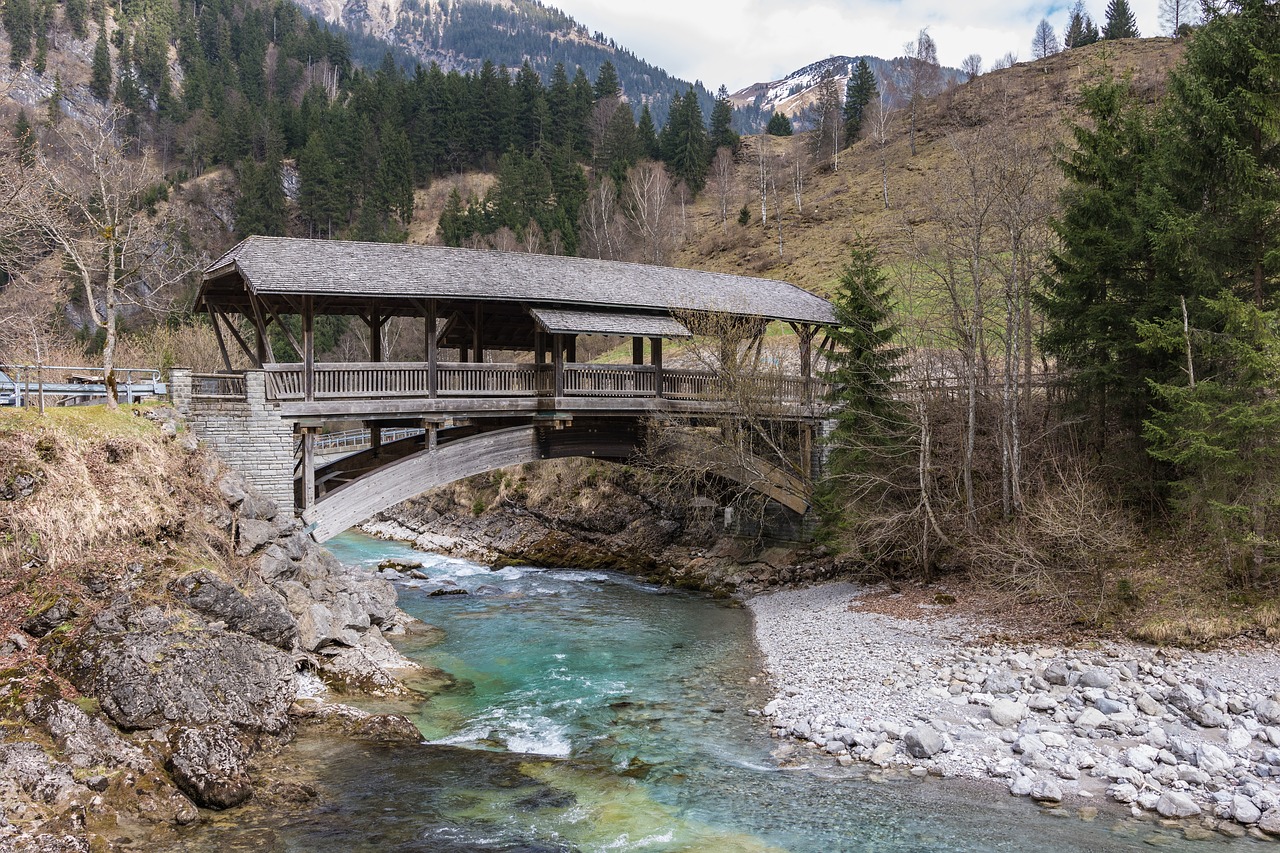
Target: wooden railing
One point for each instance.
(609, 380)
(379, 381)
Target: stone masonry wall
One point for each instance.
(248, 435)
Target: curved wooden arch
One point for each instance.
(405, 478)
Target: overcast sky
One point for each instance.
(740, 42)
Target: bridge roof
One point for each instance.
(345, 271)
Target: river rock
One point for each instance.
(1123, 792)
(207, 763)
(1097, 678)
(1239, 738)
(1006, 712)
(1090, 718)
(1209, 716)
(1184, 697)
(1268, 712)
(923, 742)
(1244, 810)
(1042, 702)
(1057, 672)
(1141, 758)
(263, 616)
(1149, 706)
(1176, 804)
(1270, 821)
(152, 674)
(1001, 681)
(883, 754)
(1109, 706)
(1046, 791)
(252, 534)
(1213, 760)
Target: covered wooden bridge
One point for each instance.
(496, 377)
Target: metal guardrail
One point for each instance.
(358, 439)
(64, 385)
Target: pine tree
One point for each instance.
(318, 187)
(779, 125)
(859, 91)
(453, 227)
(607, 85)
(722, 132)
(869, 441)
(684, 143)
(1081, 30)
(1102, 271)
(559, 106)
(77, 16)
(19, 23)
(1121, 24)
(259, 207)
(647, 136)
(100, 81)
(394, 180)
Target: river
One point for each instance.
(593, 712)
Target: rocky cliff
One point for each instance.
(162, 622)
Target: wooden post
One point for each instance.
(655, 345)
(308, 351)
(572, 349)
(433, 354)
(433, 429)
(217, 333)
(557, 361)
(637, 350)
(539, 346)
(375, 336)
(806, 359)
(477, 348)
(308, 467)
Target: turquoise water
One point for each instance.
(592, 712)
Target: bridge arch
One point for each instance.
(387, 485)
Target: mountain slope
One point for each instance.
(795, 93)
(461, 34)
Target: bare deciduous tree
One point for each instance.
(1045, 41)
(724, 183)
(603, 224)
(921, 76)
(971, 66)
(879, 124)
(650, 199)
(1178, 15)
(83, 203)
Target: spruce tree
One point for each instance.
(607, 85)
(722, 132)
(19, 23)
(100, 82)
(869, 441)
(77, 16)
(684, 143)
(318, 187)
(55, 101)
(453, 227)
(647, 136)
(1121, 24)
(779, 125)
(559, 106)
(859, 91)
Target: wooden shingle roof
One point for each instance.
(285, 266)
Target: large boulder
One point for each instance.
(923, 742)
(261, 614)
(208, 764)
(148, 670)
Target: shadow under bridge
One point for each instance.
(357, 487)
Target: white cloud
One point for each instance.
(739, 42)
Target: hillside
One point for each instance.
(1031, 99)
(795, 93)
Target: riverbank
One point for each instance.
(1167, 733)
(159, 622)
